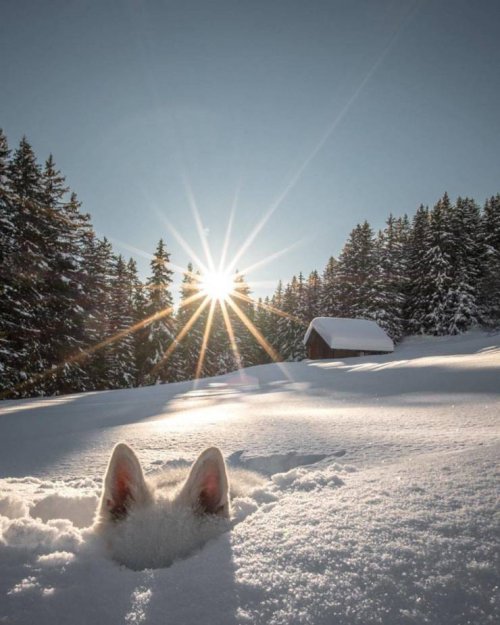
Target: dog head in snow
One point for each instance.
(151, 523)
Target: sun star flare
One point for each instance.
(217, 285)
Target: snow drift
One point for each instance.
(385, 512)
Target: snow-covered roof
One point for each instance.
(340, 333)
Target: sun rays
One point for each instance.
(216, 296)
(221, 288)
(218, 283)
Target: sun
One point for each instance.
(217, 285)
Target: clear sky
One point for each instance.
(328, 111)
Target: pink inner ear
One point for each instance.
(122, 494)
(210, 493)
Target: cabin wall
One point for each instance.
(318, 349)
(347, 353)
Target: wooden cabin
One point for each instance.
(336, 337)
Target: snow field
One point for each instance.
(386, 513)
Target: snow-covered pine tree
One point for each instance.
(358, 290)
(219, 357)
(263, 319)
(216, 353)
(138, 303)
(28, 266)
(277, 298)
(273, 320)
(7, 231)
(392, 268)
(313, 290)
(328, 305)
(489, 284)
(250, 352)
(345, 292)
(285, 338)
(301, 306)
(8, 305)
(190, 347)
(62, 325)
(465, 252)
(416, 306)
(121, 368)
(161, 331)
(291, 329)
(379, 300)
(437, 286)
(97, 270)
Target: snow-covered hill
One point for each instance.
(378, 501)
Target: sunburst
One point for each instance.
(221, 287)
(216, 286)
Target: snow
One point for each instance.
(356, 334)
(376, 499)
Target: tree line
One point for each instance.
(437, 273)
(74, 315)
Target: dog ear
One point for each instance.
(124, 484)
(206, 488)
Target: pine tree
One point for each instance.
(358, 276)
(190, 347)
(328, 306)
(28, 265)
(43, 322)
(62, 325)
(291, 328)
(392, 268)
(97, 277)
(465, 252)
(313, 292)
(418, 244)
(8, 304)
(489, 281)
(138, 304)
(161, 331)
(249, 350)
(301, 303)
(121, 368)
(263, 319)
(438, 279)
(215, 356)
(273, 322)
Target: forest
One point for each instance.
(75, 316)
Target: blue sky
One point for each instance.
(331, 112)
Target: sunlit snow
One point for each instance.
(377, 500)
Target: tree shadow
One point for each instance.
(394, 377)
(37, 433)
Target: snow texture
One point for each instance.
(356, 334)
(366, 492)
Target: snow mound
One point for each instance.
(79, 509)
(40, 537)
(387, 512)
(307, 480)
(274, 463)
